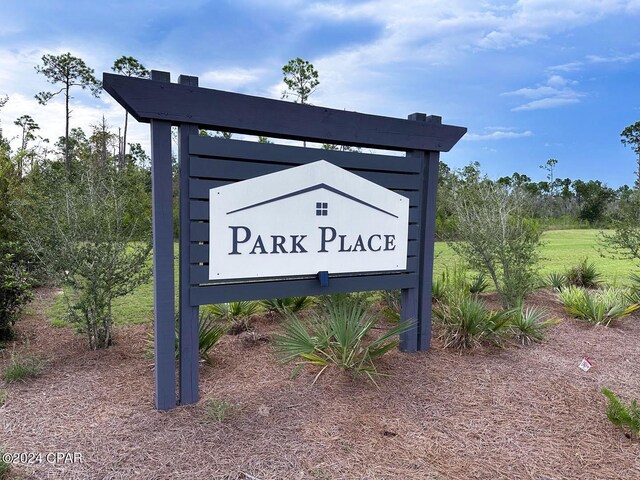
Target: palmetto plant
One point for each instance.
(210, 331)
(528, 324)
(391, 304)
(232, 309)
(584, 275)
(621, 415)
(238, 314)
(338, 334)
(466, 323)
(289, 304)
(633, 296)
(556, 280)
(600, 307)
(479, 283)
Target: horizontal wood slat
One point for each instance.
(291, 155)
(200, 273)
(203, 295)
(234, 170)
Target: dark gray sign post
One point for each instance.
(207, 163)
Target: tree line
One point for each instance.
(78, 212)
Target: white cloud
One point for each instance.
(423, 35)
(231, 78)
(555, 93)
(550, 102)
(496, 134)
(622, 58)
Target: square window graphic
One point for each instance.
(322, 209)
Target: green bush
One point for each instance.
(391, 304)
(626, 417)
(237, 314)
(624, 241)
(438, 289)
(495, 235)
(528, 325)
(15, 293)
(290, 304)
(479, 283)
(210, 331)
(454, 281)
(466, 323)
(85, 226)
(557, 281)
(4, 467)
(600, 307)
(336, 335)
(584, 275)
(634, 292)
(22, 368)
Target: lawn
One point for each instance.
(561, 250)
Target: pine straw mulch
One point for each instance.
(526, 413)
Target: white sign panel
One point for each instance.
(303, 220)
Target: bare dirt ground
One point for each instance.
(516, 413)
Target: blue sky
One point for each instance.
(531, 79)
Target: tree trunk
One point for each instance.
(67, 159)
(124, 140)
(103, 153)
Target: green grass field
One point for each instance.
(561, 249)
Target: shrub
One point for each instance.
(210, 331)
(600, 307)
(22, 368)
(15, 293)
(557, 281)
(85, 228)
(289, 304)
(479, 283)
(218, 409)
(336, 335)
(584, 275)
(238, 314)
(438, 289)
(624, 241)
(4, 466)
(634, 292)
(391, 304)
(453, 282)
(497, 237)
(626, 417)
(466, 323)
(528, 325)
